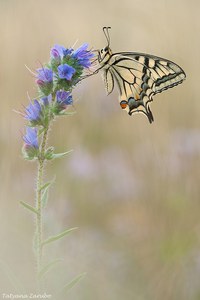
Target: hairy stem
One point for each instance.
(39, 219)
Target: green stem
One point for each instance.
(39, 227)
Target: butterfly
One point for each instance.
(138, 76)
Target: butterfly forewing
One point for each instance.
(163, 72)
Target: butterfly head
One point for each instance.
(105, 53)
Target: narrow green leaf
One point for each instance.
(44, 198)
(59, 236)
(45, 189)
(47, 184)
(47, 268)
(59, 155)
(29, 207)
(73, 282)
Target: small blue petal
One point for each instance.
(83, 55)
(44, 75)
(66, 72)
(46, 100)
(63, 97)
(80, 51)
(68, 51)
(33, 111)
(31, 138)
(59, 51)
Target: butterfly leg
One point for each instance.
(91, 74)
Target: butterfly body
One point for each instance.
(138, 76)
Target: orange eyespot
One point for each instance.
(123, 104)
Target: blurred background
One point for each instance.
(131, 188)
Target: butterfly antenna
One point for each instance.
(106, 33)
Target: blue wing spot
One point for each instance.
(132, 103)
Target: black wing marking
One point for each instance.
(165, 73)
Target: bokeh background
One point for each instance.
(132, 189)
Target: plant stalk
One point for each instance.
(39, 218)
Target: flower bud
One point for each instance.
(63, 100)
(30, 149)
(44, 80)
(33, 113)
(49, 153)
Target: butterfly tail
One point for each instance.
(149, 114)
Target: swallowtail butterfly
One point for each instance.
(138, 76)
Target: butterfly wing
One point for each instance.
(108, 80)
(140, 77)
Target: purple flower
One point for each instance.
(46, 100)
(33, 111)
(68, 51)
(66, 72)
(58, 52)
(44, 76)
(45, 80)
(83, 55)
(64, 98)
(31, 138)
